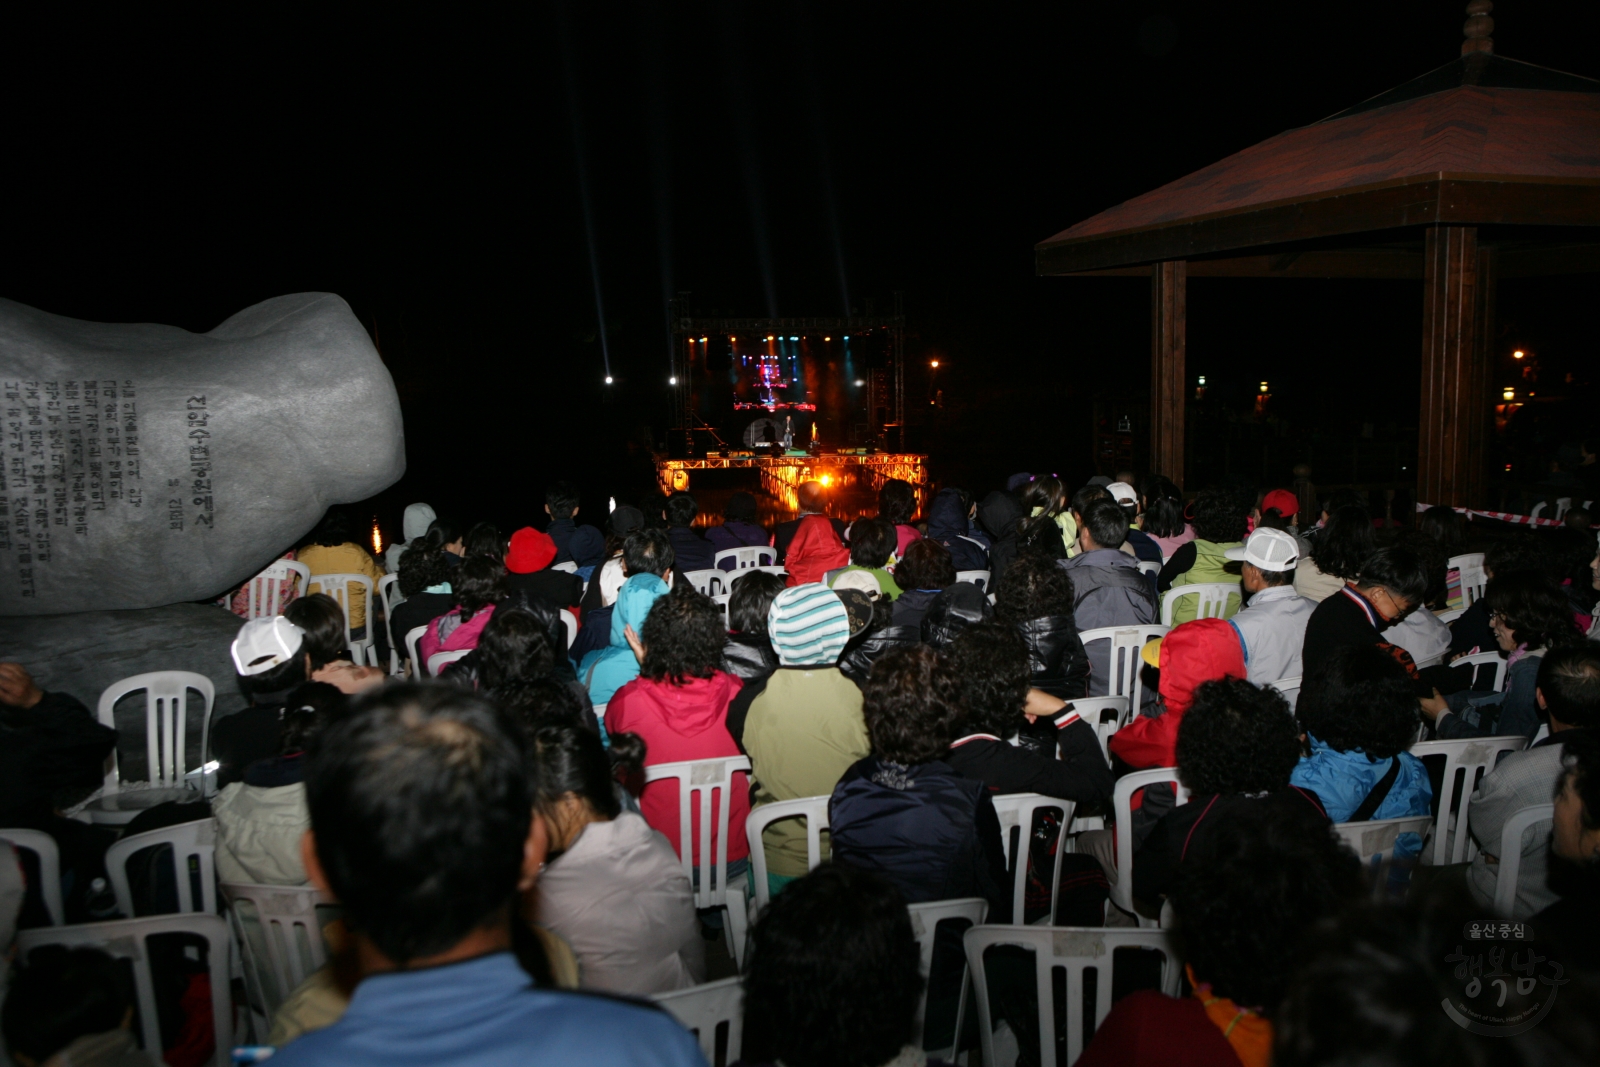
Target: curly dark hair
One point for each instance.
(751, 600)
(897, 502)
(988, 672)
(536, 701)
(1534, 609)
(1360, 698)
(1524, 551)
(927, 565)
(682, 637)
(480, 582)
(1345, 543)
(834, 976)
(321, 617)
(908, 705)
(422, 565)
(1033, 587)
(872, 542)
(1249, 893)
(515, 643)
(1236, 738)
(1221, 514)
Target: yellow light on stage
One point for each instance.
(377, 537)
(1263, 387)
(732, 338)
(702, 340)
(1509, 393)
(827, 338)
(933, 363)
(1518, 354)
(769, 337)
(826, 479)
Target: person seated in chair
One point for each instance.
(871, 545)
(529, 575)
(583, 545)
(71, 1006)
(739, 528)
(693, 552)
(1108, 589)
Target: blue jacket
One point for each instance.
(947, 524)
(612, 667)
(1342, 781)
(736, 533)
(1514, 711)
(690, 551)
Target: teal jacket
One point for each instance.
(608, 669)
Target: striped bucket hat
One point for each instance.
(809, 626)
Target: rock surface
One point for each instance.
(143, 465)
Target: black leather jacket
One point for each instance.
(1056, 657)
(748, 656)
(863, 651)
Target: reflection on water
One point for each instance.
(848, 504)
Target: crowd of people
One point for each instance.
(512, 888)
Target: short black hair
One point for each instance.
(1248, 894)
(334, 529)
(872, 542)
(1360, 698)
(1107, 523)
(1222, 513)
(1236, 738)
(60, 995)
(485, 539)
(908, 706)
(441, 532)
(834, 977)
(741, 507)
(561, 499)
(682, 636)
(1088, 495)
(897, 502)
(322, 619)
(517, 642)
(1033, 587)
(1163, 507)
(1569, 678)
(1399, 570)
(1345, 543)
(927, 564)
(421, 802)
(989, 673)
(307, 709)
(571, 759)
(480, 582)
(647, 551)
(422, 565)
(751, 600)
(681, 509)
(1534, 608)
(534, 701)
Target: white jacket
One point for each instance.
(1273, 627)
(259, 832)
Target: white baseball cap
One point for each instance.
(263, 644)
(1269, 549)
(864, 581)
(1123, 493)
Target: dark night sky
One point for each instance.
(763, 157)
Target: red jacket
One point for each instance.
(1203, 650)
(815, 550)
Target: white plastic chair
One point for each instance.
(1016, 811)
(414, 635)
(1149, 566)
(977, 578)
(1373, 843)
(166, 718)
(1290, 688)
(1510, 856)
(1473, 757)
(189, 840)
(286, 917)
(1448, 617)
(705, 779)
(43, 846)
(262, 591)
(779, 570)
(925, 920)
(439, 660)
(710, 1012)
(1211, 600)
(1470, 564)
(814, 810)
(745, 557)
(1485, 659)
(1105, 715)
(1124, 663)
(570, 566)
(708, 582)
(570, 621)
(364, 651)
(389, 593)
(125, 939)
(1122, 808)
(1075, 950)
(722, 600)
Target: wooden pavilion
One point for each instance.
(1483, 169)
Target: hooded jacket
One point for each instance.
(682, 722)
(612, 667)
(815, 550)
(462, 635)
(1342, 781)
(1056, 659)
(998, 515)
(1204, 650)
(947, 524)
(1209, 566)
(414, 524)
(1108, 590)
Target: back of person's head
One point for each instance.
(334, 529)
(926, 565)
(751, 600)
(647, 552)
(420, 801)
(1360, 698)
(872, 542)
(1533, 607)
(654, 507)
(1435, 567)
(1106, 522)
(63, 994)
(1033, 587)
(1088, 495)
(441, 532)
(1522, 551)
(988, 672)
(422, 566)
(479, 583)
(1345, 544)
(307, 709)
(322, 619)
(515, 643)
(534, 701)
(1580, 770)
(1047, 493)
(1443, 525)
(908, 706)
(562, 500)
(683, 637)
(834, 977)
(485, 539)
(1343, 498)
(1572, 550)
(1569, 681)
(570, 760)
(811, 496)
(1236, 738)
(1579, 519)
(949, 614)
(681, 509)
(270, 656)
(1399, 570)
(741, 507)
(1163, 507)
(1250, 892)
(1222, 514)
(897, 502)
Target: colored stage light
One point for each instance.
(860, 382)
(702, 340)
(608, 379)
(1517, 354)
(827, 479)
(672, 380)
(794, 338)
(770, 337)
(732, 338)
(827, 338)
(933, 363)
(1202, 379)
(1509, 393)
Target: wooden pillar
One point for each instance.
(1457, 335)
(1169, 285)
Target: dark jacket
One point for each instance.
(1145, 549)
(690, 551)
(595, 634)
(1345, 619)
(1184, 829)
(555, 589)
(952, 611)
(583, 545)
(736, 534)
(1081, 774)
(911, 605)
(862, 651)
(784, 532)
(947, 524)
(416, 611)
(1108, 590)
(930, 831)
(748, 656)
(1471, 630)
(998, 515)
(1056, 658)
(51, 755)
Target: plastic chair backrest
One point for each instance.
(1124, 663)
(389, 593)
(414, 635)
(1211, 600)
(600, 713)
(338, 587)
(1473, 757)
(125, 939)
(196, 840)
(1470, 564)
(709, 1012)
(925, 920)
(1074, 949)
(290, 933)
(699, 783)
(439, 660)
(977, 578)
(570, 621)
(262, 591)
(721, 600)
(166, 714)
(1373, 843)
(1563, 505)
(1505, 886)
(570, 566)
(1538, 509)
(1149, 566)
(1290, 688)
(780, 571)
(814, 810)
(1106, 715)
(707, 582)
(745, 557)
(1448, 617)
(43, 846)
(1485, 659)
(1016, 811)
(1122, 808)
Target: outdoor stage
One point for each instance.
(782, 475)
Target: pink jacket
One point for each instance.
(463, 636)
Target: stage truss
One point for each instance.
(782, 476)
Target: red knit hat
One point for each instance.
(530, 551)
